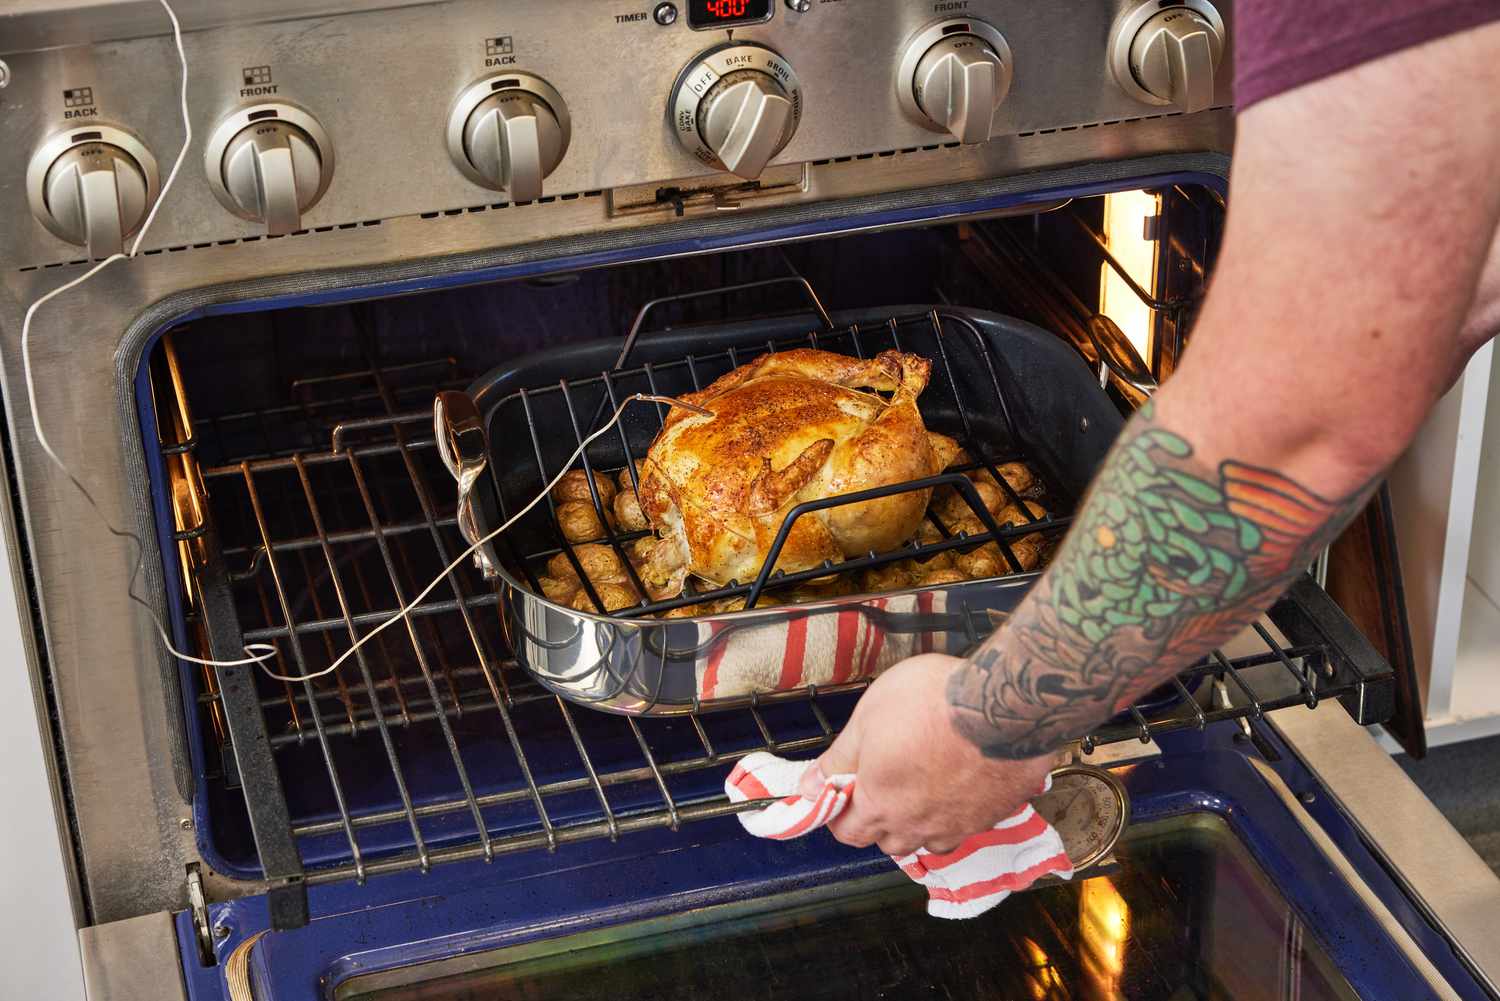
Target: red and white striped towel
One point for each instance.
(821, 646)
(963, 883)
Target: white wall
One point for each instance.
(38, 929)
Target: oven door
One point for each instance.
(1239, 879)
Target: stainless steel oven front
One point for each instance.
(381, 201)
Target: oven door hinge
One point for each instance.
(198, 904)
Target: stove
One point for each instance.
(385, 201)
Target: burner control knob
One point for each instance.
(507, 132)
(954, 75)
(270, 163)
(736, 107)
(1170, 55)
(92, 187)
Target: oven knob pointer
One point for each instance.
(736, 107)
(270, 164)
(92, 187)
(272, 172)
(508, 132)
(1170, 56)
(514, 141)
(953, 77)
(747, 119)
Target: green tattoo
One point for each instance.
(1166, 561)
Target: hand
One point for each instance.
(920, 783)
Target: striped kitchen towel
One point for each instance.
(817, 645)
(963, 883)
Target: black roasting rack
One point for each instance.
(972, 406)
(312, 521)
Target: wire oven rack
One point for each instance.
(318, 519)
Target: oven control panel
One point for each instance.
(437, 108)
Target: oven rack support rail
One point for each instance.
(429, 689)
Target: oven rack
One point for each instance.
(431, 746)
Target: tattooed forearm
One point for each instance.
(1168, 559)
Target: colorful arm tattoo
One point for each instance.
(1166, 560)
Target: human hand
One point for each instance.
(921, 784)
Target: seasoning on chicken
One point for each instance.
(786, 428)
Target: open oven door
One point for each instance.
(1240, 877)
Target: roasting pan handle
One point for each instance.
(640, 317)
(1118, 356)
(458, 430)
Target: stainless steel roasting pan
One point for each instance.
(1006, 389)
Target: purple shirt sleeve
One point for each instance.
(1282, 44)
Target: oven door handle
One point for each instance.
(458, 429)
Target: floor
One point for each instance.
(1464, 781)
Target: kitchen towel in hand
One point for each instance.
(963, 883)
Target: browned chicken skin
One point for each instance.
(791, 427)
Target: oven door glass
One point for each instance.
(1186, 915)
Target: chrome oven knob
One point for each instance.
(1170, 55)
(508, 132)
(954, 76)
(270, 163)
(736, 107)
(92, 187)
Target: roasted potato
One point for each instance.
(952, 505)
(945, 451)
(986, 561)
(579, 521)
(1016, 516)
(559, 589)
(1017, 474)
(928, 533)
(574, 486)
(627, 511)
(599, 563)
(989, 561)
(891, 577)
(937, 561)
(685, 612)
(950, 576)
(1028, 552)
(615, 595)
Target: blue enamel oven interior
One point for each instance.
(249, 360)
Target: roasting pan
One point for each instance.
(1004, 388)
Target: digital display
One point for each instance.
(719, 13)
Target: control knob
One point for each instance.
(92, 187)
(508, 132)
(953, 76)
(1170, 55)
(736, 107)
(270, 163)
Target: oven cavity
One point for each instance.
(302, 500)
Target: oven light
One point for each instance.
(1126, 215)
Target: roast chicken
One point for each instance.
(790, 427)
